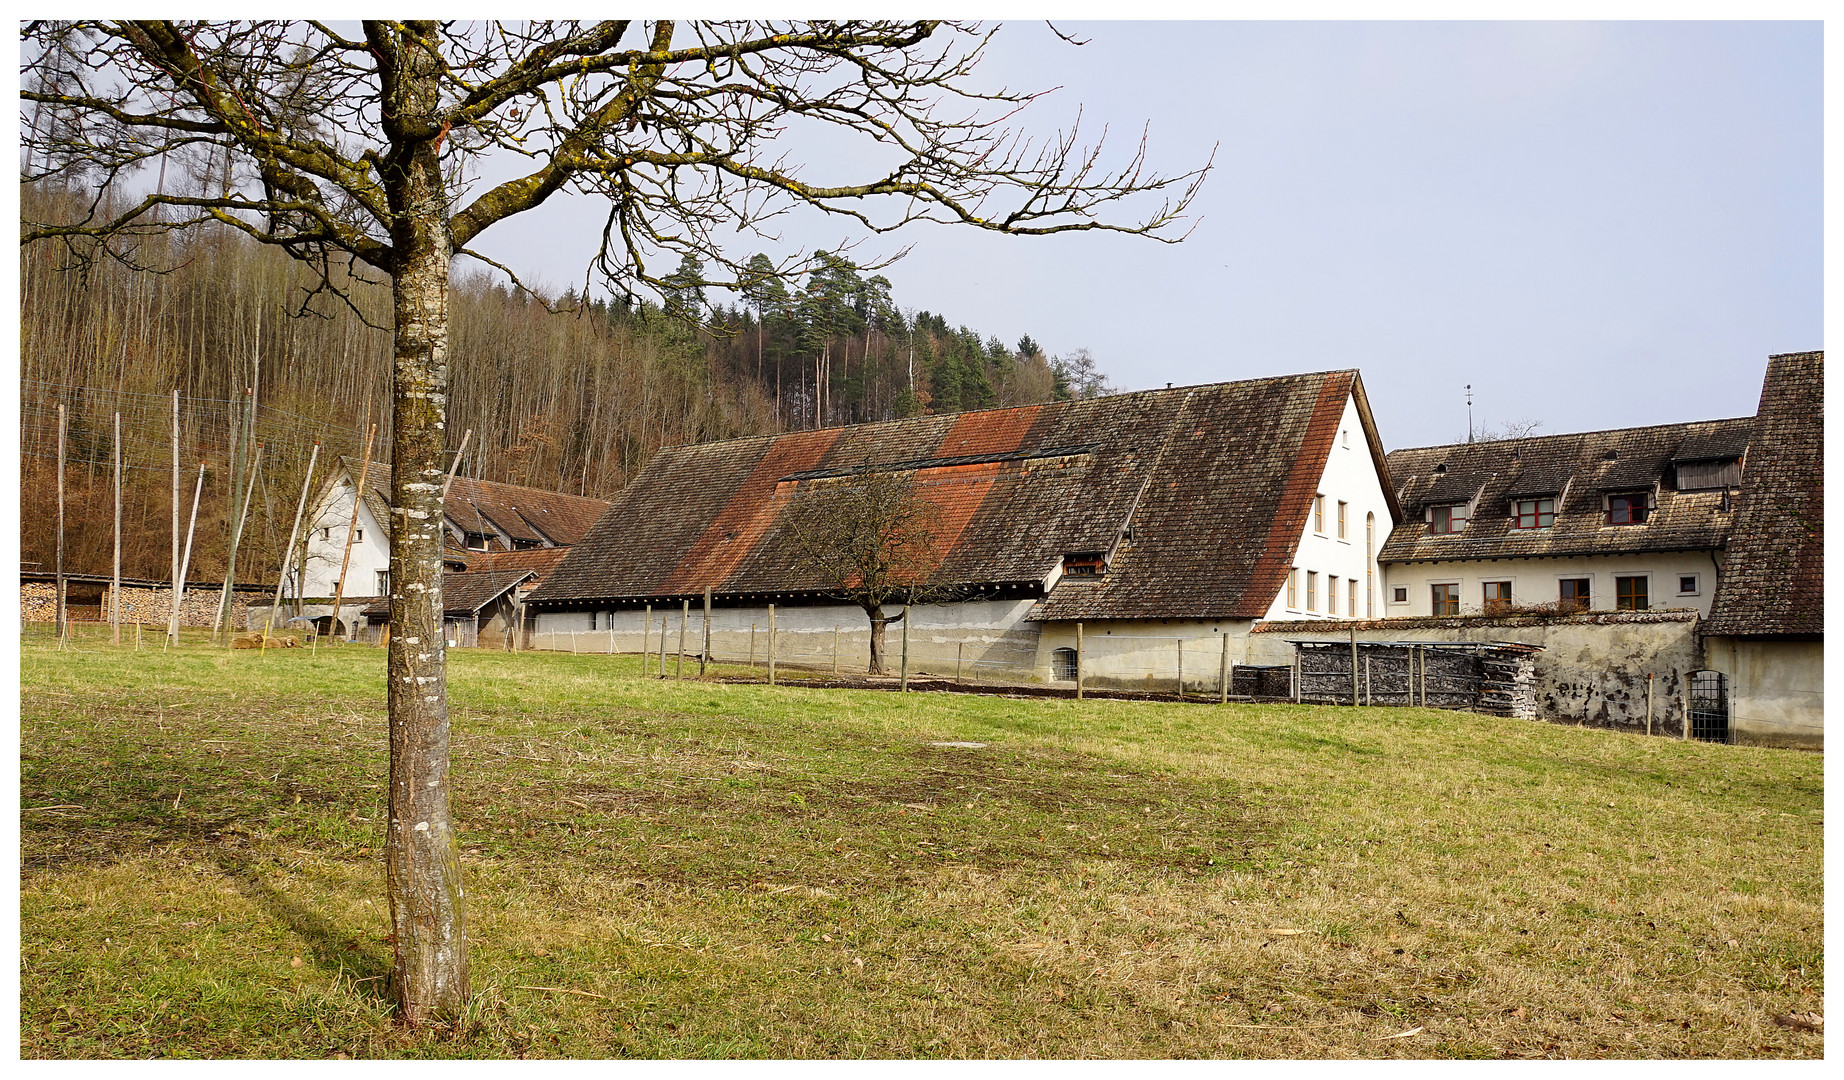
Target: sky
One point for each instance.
(1594, 224)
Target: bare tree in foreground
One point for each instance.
(869, 536)
(362, 154)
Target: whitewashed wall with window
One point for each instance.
(1682, 579)
(326, 542)
(1328, 561)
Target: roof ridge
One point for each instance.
(1570, 434)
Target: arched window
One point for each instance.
(1064, 662)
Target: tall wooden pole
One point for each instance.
(771, 647)
(465, 435)
(172, 623)
(1354, 665)
(905, 681)
(115, 585)
(242, 435)
(706, 654)
(60, 611)
(358, 499)
(1078, 661)
(646, 636)
(293, 532)
(684, 617)
(185, 561)
(1223, 674)
(249, 489)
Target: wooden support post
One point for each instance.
(684, 618)
(1223, 674)
(705, 655)
(227, 607)
(1648, 703)
(1295, 673)
(1181, 669)
(662, 643)
(59, 613)
(345, 560)
(456, 464)
(172, 626)
(1079, 659)
(752, 646)
(1354, 665)
(1686, 733)
(646, 640)
(185, 562)
(771, 644)
(959, 648)
(905, 681)
(115, 586)
(1369, 698)
(288, 552)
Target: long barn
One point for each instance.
(1185, 513)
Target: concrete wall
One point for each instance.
(988, 638)
(1538, 581)
(1147, 654)
(1592, 669)
(1776, 689)
(1350, 475)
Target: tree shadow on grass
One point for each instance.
(333, 946)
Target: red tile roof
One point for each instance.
(1210, 487)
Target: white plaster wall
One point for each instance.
(1148, 654)
(1776, 689)
(985, 637)
(1536, 581)
(1350, 474)
(324, 552)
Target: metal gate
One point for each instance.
(1709, 706)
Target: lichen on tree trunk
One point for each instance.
(422, 860)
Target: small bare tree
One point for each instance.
(870, 537)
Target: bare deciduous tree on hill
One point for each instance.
(364, 152)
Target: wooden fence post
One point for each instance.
(1686, 734)
(705, 655)
(771, 644)
(1181, 669)
(905, 680)
(1354, 665)
(1078, 661)
(1648, 703)
(662, 643)
(646, 640)
(959, 648)
(684, 617)
(1223, 674)
(752, 645)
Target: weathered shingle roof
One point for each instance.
(1773, 581)
(540, 561)
(1211, 485)
(522, 513)
(465, 594)
(1580, 468)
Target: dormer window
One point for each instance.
(476, 541)
(1709, 475)
(1447, 519)
(1083, 564)
(1533, 513)
(1629, 508)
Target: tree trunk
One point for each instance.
(422, 860)
(878, 623)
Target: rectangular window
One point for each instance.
(1534, 513)
(326, 535)
(1312, 590)
(1082, 564)
(1331, 595)
(1293, 588)
(358, 536)
(1446, 599)
(1627, 509)
(384, 583)
(1687, 584)
(1497, 596)
(1351, 598)
(1630, 593)
(1708, 475)
(1400, 595)
(1319, 513)
(1574, 595)
(1448, 519)
(1341, 519)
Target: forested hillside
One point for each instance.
(558, 394)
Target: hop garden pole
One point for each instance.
(293, 532)
(905, 680)
(185, 563)
(1079, 661)
(1223, 674)
(60, 610)
(172, 625)
(646, 639)
(705, 655)
(771, 644)
(465, 435)
(115, 585)
(684, 617)
(352, 526)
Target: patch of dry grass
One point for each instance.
(700, 870)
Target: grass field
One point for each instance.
(663, 869)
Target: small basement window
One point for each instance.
(1064, 661)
